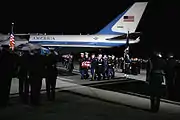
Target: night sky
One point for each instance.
(159, 25)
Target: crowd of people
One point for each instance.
(30, 68)
(158, 68)
(163, 68)
(103, 66)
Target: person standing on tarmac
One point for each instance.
(81, 66)
(37, 68)
(105, 73)
(109, 67)
(87, 65)
(100, 67)
(23, 77)
(170, 75)
(113, 66)
(93, 66)
(51, 72)
(7, 65)
(154, 77)
(70, 63)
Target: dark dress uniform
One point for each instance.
(93, 67)
(105, 73)
(7, 68)
(70, 64)
(23, 78)
(99, 68)
(113, 67)
(51, 77)
(81, 67)
(155, 69)
(110, 68)
(177, 82)
(170, 76)
(35, 77)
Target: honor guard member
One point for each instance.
(170, 75)
(127, 62)
(93, 66)
(105, 73)
(70, 64)
(117, 63)
(113, 66)
(87, 64)
(100, 67)
(155, 76)
(35, 76)
(110, 67)
(81, 65)
(134, 65)
(7, 62)
(51, 77)
(23, 77)
(177, 81)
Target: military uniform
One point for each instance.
(23, 77)
(81, 66)
(93, 67)
(155, 69)
(170, 76)
(70, 64)
(51, 76)
(113, 66)
(7, 67)
(37, 69)
(99, 68)
(105, 73)
(110, 67)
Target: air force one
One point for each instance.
(112, 35)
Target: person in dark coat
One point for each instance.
(70, 64)
(155, 76)
(35, 76)
(52, 73)
(7, 65)
(100, 67)
(93, 66)
(23, 77)
(170, 75)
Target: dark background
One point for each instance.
(159, 25)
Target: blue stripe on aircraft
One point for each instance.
(77, 43)
(107, 29)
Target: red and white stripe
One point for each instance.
(12, 42)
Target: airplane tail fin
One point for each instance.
(127, 21)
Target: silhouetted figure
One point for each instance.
(35, 76)
(70, 64)
(170, 76)
(177, 82)
(155, 73)
(7, 68)
(52, 73)
(23, 77)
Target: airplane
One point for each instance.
(112, 35)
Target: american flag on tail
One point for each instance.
(128, 18)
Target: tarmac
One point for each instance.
(76, 99)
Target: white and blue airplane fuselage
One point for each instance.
(94, 41)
